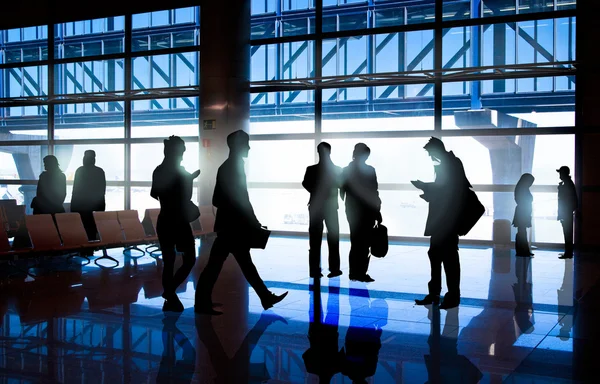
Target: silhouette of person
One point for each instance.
(523, 291)
(446, 197)
(172, 186)
(567, 204)
(322, 358)
(51, 189)
(89, 188)
(170, 369)
(359, 189)
(361, 348)
(444, 364)
(234, 223)
(322, 181)
(523, 213)
(238, 368)
(565, 302)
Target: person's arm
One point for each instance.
(154, 189)
(342, 183)
(103, 182)
(308, 182)
(62, 189)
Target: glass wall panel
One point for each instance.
(345, 56)
(166, 29)
(511, 103)
(104, 120)
(90, 77)
(89, 37)
(263, 6)
(22, 193)
(24, 82)
(141, 199)
(146, 157)
(114, 197)
(110, 157)
(282, 61)
(390, 108)
(281, 209)
(456, 9)
(23, 162)
(279, 160)
(163, 71)
(282, 112)
(23, 45)
(165, 117)
(24, 123)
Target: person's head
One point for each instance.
(89, 157)
(564, 172)
(324, 150)
(436, 149)
(361, 152)
(51, 163)
(238, 143)
(174, 148)
(526, 180)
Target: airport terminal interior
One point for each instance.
(509, 86)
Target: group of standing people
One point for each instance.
(236, 222)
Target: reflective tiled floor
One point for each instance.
(520, 321)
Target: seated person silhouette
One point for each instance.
(172, 187)
(322, 181)
(89, 188)
(234, 223)
(51, 189)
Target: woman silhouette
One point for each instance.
(51, 189)
(523, 212)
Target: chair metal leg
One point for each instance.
(105, 256)
(154, 253)
(77, 254)
(134, 248)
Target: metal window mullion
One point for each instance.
(51, 84)
(438, 64)
(127, 108)
(318, 60)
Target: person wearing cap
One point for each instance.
(172, 186)
(89, 190)
(567, 204)
(359, 189)
(322, 181)
(446, 197)
(234, 222)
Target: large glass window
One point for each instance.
(378, 86)
(84, 102)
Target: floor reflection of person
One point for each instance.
(565, 302)
(523, 291)
(170, 369)
(237, 368)
(322, 357)
(361, 348)
(444, 364)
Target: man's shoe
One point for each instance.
(272, 299)
(564, 256)
(427, 300)
(172, 306)
(367, 279)
(334, 274)
(450, 302)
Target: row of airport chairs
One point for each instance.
(65, 234)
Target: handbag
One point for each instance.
(192, 212)
(379, 241)
(259, 237)
(472, 211)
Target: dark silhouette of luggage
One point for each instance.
(379, 241)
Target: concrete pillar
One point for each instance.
(225, 75)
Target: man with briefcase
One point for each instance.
(238, 230)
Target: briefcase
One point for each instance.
(379, 241)
(471, 213)
(259, 237)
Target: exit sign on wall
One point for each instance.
(210, 125)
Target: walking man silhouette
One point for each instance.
(172, 186)
(89, 189)
(322, 181)
(234, 224)
(567, 204)
(446, 197)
